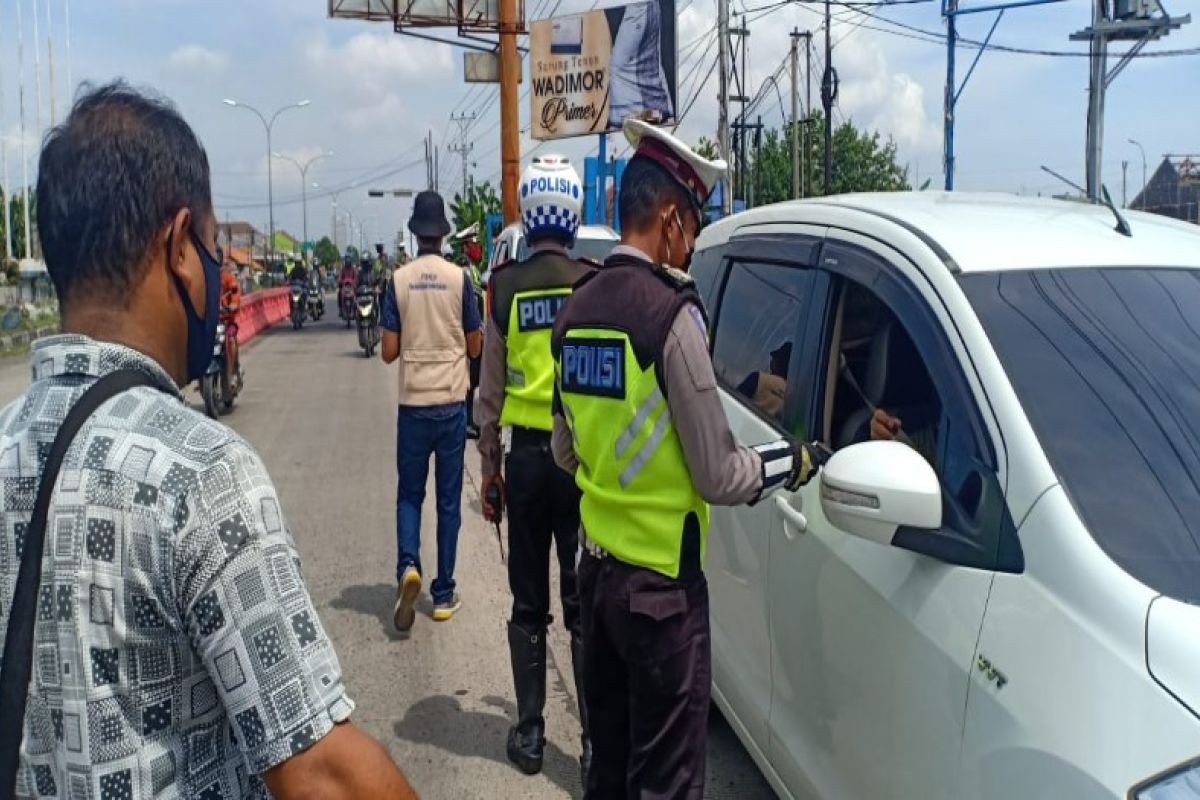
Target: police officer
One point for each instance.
(639, 422)
(516, 388)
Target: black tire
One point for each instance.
(208, 390)
(227, 396)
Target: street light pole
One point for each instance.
(270, 181)
(1138, 145)
(304, 187)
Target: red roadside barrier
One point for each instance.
(260, 310)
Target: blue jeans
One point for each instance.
(421, 432)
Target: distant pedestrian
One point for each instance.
(430, 323)
(178, 651)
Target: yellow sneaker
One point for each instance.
(447, 609)
(405, 612)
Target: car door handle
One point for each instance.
(790, 517)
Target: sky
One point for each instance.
(374, 95)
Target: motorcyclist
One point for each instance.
(347, 274)
(366, 272)
(231, 303)
(314, 283)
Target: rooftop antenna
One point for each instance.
(1122, 225)
(1065, 180)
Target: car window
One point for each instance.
(1106, 363)
(887, 356)
(595, 249)
(760, 316)
(707, 267)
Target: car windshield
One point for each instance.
(1106, 363)
(595, 249)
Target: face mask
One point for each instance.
(687, 260)
(201, 333)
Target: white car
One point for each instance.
(591, 241)
(1006, 604)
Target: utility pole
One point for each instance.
(795, 131)
(463, 148)
(6, 194)
(303, 167)
(1124, 184)
(50, 60)
(723, 101)
(67, 25)
(268, 125)
(21, 100)
(829, 90)
(738, 75)
(510, 117)
(754, 165)
(1121, 20)
(37, 67)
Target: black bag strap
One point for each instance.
(18, 639)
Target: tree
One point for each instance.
(480, 200)
(16, 205)
(862, 162)
(326, 251)
(707, 148)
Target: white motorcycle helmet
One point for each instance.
(551, 198)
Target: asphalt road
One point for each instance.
(323, 418)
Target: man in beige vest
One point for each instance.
(431, 325)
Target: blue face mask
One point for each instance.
(202, 332)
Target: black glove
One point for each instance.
(807, 460)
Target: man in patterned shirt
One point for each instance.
(177, 651)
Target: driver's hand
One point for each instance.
(884, 427)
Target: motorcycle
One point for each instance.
(316, 302)
(223, 380)
(298, 305)
(346, 304)
(368, 319)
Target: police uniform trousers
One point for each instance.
(543, 509)
(647, 679)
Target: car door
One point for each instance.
(874, 644)
(758, 294)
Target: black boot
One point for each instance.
(527, 739)
(585, 756)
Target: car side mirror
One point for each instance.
(871, 489)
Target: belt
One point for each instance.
(529, 437)
(591, 548)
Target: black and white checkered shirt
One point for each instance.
(177, 651)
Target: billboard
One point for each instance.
(479, 16)
(590, 72)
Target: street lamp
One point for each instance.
(303, 167)
(1138, 145)
(270, 184)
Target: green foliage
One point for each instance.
(707, 148)
(326, 252)
(17, 211)
(862, 162)
(480, 200)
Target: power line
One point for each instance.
(935, 37)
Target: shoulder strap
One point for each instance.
(18, 639)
